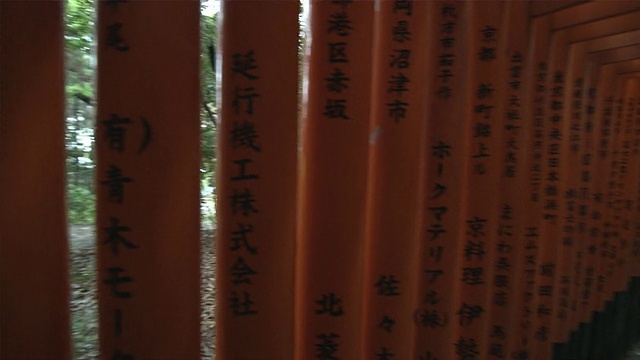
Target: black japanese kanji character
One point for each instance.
(115, 133)
(115, 183)
(397, 110)
(476, 249)
(340, 24)
(115, 238)
(481, 130)
(242, 164)
(242, 202)
(432, 319)
(244, 64)
(484, 91)
(447, 42)
(244, 135)
(338, 52)
(448, 27)
(244, 95)
(240, 238)
(448, 10)
(482, 151)
(444, 92)
(400, 59)
(403, 5)
(241, 272)
(446, 59)
(441, 150)
(336, 109)
(487, 53)
(445, 74)
(337, 81)
(398, 84)
(542, 333)
(496, 350)
(384, 354)
(466, 348)
(488, 33)
(468, 313)
(476, 226)
(242, 305)
(328, 346)
(387, 285)
(329, 304)
(472, 275)
(401, 32)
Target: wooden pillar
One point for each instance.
(514, 130)
(393, 241)
(589, 177)
(445, 149)
(535, 83)
(333, 181)
(34, 274)
(147, 139)
(480, 287)
(257, 180)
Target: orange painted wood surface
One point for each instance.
(566, 236)
(445, 149)
(530, 89)
(34, 280)
(550, 228)
(333, 181)
(536, 75)
(513, 127)
(588, 176)
(147, 179)
(626, 186)
(256, 209)
(605, 146)
(610, 246)
(480, 287)
(393, 241)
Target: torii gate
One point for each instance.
(457, 180)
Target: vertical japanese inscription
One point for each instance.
(483, 108)
(339, 26)
(400, 61)
(587, 209)
(117, 236)
(436, 317)
(446, 57)
(572, 193)
(506, 220)
(388, 301)
(536, 176)
(553, 147)
(486, 237)
(245, 144)
(599, 219)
